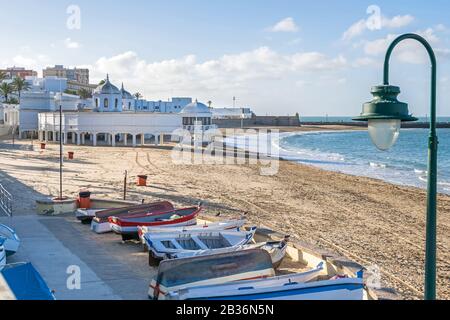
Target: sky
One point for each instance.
(276, 56)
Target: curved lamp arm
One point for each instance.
(430, 252)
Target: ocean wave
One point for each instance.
(377, 165)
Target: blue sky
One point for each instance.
(279, 57)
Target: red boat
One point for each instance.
(100, 223)
(128, 226)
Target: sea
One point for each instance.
(352, 152)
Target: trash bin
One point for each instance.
(84, 199)
(142, 180)
(70, 153)
(42, 146)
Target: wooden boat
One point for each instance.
(87, 215)
(276, 250)
(12, 241)
(276, 288)
(217, 226)
(128, 226)
(100, 223)
(179, 274)
(23, 282)
(162, 245)
(2, 253)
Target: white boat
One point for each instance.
(217, 226)
(178, 274)
(86, 215)
(288, 287)
(276, 250)
(161, 245)
(12, 241)
(2, 253)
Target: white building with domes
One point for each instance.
(117, 117)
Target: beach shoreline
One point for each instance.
(367, 220)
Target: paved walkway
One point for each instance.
(109, 268)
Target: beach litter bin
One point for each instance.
(142, 180)
(84, 199)
(42, 146)
(70, 153)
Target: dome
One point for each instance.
(195, 107)
(107, 88)
(126, 94)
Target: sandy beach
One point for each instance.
(366, 220)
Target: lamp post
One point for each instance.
(384, 115)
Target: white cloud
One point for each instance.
(362, 25)
(285, 25)
(408, 51)
(20, 60)
(226, 75)
(70, 44)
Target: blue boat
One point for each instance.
(23, 282)
(281, 288)
(11, 239)
(2, 253)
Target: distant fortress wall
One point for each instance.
(409, 125)
(263, 121)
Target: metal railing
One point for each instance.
(6, 201)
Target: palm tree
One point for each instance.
(84, 93)
(19, 85)
(138, 95)
(101, 82)
(5, 90)
(3, 76)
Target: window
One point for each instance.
(96, 103)
(106, 103)
(129, 105)
(116, 103)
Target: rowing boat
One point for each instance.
(276, 250)
(276, 288)
(23, 282)
(217, 226)
(162, 245)
(127, 226)
(12, 241)
(100, 223)
(179, 274)
(2, 253)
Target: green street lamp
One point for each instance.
(384, 115)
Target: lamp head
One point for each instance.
(384, 115)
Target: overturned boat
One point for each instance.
(100, 223)
(127, 226)
(162, 245)
(23, 282)
(217, 226)
(174, 275)
(12, 241)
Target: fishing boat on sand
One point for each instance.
(127, 226)
(217, 226)
(162, 245)
(22, 282)
(276, 250)
(178, 274)
(100, 223)
(12, 241)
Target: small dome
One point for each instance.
(107, 88)
(126, 94)
(195, 107)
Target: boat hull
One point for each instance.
(12, 240)
(128, 227)
(340, 289)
